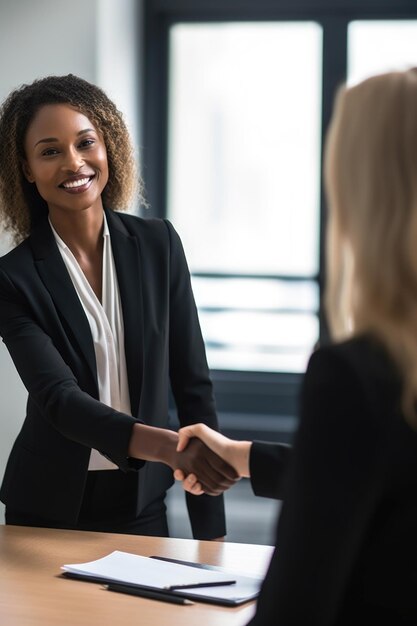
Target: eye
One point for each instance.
(50, 152)
(87, 143)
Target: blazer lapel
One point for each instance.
(126, 253)
(54, 275)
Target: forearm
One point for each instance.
(237, 453)
(153, 444)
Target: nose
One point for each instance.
(73, 160)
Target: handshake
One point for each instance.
(208, 462)
(205, 461)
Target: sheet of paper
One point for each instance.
(140, 570)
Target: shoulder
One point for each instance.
(364, 355)
(16, 269)
(19, 255)
(150, 231)
(359, 367)
(155, 235)
(142, 226)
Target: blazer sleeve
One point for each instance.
(268, 464)
(52, 385)
(190, 381)
(333, 489)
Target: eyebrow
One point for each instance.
(52, 139)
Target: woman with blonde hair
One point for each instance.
(346, 547)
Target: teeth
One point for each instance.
(76, 183)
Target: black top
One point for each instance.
(44, 327)
(268, 466)
(346, 547)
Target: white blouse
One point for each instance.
(107, 330)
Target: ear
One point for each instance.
(27, 172)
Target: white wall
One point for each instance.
(95, 39)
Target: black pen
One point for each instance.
(148, 593)
(219, 583)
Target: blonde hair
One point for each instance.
(371, 183)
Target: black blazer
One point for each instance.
(268, 466)
(44, 327)
(346, 547)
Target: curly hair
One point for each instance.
(21, 205)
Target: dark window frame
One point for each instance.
(248, 392)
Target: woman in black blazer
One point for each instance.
(65, 154)
(346, 547)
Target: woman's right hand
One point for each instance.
(235, 453)
(214, 473)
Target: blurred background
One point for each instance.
(227, 102)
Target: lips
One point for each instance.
(77, 184)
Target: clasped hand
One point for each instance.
(234, 453)
(193, 452)
(214, 475)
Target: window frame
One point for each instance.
(271, 393)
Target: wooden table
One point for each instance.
(32, 592)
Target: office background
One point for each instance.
(227, 102)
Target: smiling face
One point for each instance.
(66, 159)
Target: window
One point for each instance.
(380, 46)
(239, 135)
(238, 96)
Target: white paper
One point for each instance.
(140, 570)
(151, 572)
